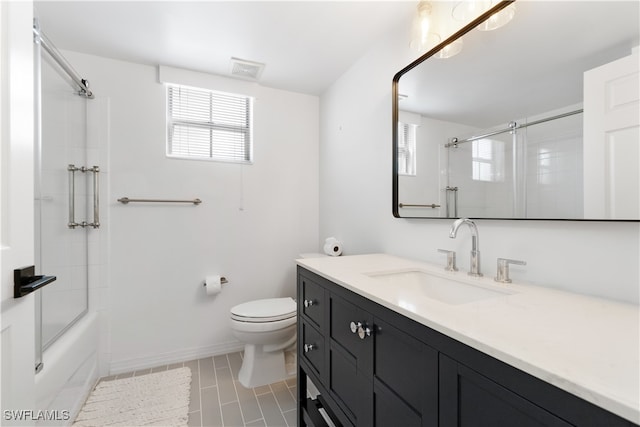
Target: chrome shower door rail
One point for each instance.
(41, 39)
(72, 197)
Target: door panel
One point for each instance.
(17, 334)
(611, 140)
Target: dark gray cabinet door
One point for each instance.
(405, 379)
(468, 399)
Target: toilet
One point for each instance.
(267, 327)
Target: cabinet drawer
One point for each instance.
(313, 347)
(312, 301)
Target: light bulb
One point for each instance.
(468, 10)
(423, 39)
(450, 50)
(498, 19)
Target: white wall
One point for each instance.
(355, 199)
(252, 224)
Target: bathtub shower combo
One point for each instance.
(66, 213)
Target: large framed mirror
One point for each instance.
(538, 119)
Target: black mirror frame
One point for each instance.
(394, 93)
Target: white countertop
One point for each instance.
(587, 346)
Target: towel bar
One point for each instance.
(125, 200)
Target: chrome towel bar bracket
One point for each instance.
(125, 200)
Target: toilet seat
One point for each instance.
(264, 310)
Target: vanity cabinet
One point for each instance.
(374, 367)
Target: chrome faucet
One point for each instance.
(474, 269)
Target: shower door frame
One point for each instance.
(81, 85)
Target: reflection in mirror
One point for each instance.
(538, 119)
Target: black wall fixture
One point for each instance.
(26, 281)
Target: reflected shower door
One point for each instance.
(480, 171)
(62, 250)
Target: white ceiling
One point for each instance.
(532, 65)
(306, 45)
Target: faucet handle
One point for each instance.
(502, 274)
(451, 259)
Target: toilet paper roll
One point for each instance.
(332, 247)
(213, 285)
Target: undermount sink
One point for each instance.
(443, 289)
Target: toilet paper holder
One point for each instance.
(223, 280)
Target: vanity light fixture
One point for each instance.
(423, 38)
(450, 50)
(499, 19)
(467, 10)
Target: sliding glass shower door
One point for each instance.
(63, 193)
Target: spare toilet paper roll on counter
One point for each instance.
(213, 284)
(332, 247)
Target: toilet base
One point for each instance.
(261, 368)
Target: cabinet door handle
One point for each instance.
(309, 302)
(354, 327)
(364, 332)
(309, 347)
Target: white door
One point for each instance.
(612, 140)
(17, 336)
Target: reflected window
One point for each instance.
(487, 160)
(407, 148)
(544, 166)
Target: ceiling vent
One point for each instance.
(247, 70)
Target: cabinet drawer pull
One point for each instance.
(354, 326)
(309, 347)
(309, 302)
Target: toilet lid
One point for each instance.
(265, 310)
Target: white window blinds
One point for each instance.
(406, 148)
(204, 124)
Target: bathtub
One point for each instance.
(70, 370)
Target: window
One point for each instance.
(487, 160)
(406, 149)
(203, 124)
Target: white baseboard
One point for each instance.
(183, 355)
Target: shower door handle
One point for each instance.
(448, 191)
(72, 196)
(96, 197)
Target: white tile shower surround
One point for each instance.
(219, 400)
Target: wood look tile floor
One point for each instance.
(219, 400)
